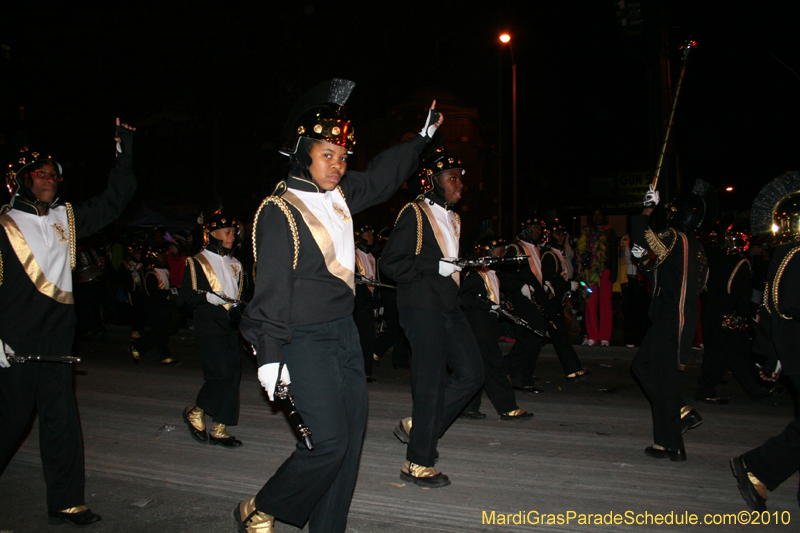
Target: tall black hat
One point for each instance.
(320, 115)
(697, 210)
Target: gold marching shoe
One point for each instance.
(248, 519)
(195, 421)
(219, 436)
(403, 430)
(424, 476)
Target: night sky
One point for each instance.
(210, 85)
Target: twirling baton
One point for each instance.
(687, 47)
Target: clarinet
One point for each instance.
(285, 396)
(485, 261)
(514, 318)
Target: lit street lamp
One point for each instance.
(506, 39)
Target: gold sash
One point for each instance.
(29, 264)
(323, 240)
(211, 276)
(493, 296)
(437, 232)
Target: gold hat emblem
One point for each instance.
(440, 164)
(318, 128)
(301, 130)
(336, 130)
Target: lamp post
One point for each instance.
(506, 38)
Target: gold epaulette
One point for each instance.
(418, 212)
(283, 206)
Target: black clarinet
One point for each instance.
(514, 318)
(285, 396)
(295, 418)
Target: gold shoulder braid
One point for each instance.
(241, 282)
(192, 271)
(777, 280)
(289, 218)
(71, 224)
(418, 213)
(656, 244)
(3, 210)
(736, 271)
(339, 188)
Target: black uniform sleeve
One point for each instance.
(399, 260)
(642, 235)
(383, 175)
(151, 286)
(741, 290)
(106, 207)
(266, 321)
(188, 298)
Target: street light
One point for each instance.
(506, 39)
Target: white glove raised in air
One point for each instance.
(446, 268)
(268, 376)
(4, 348)
(213, 299)
(637, 251)
(573, 286)
(432, 123)
(651, 197)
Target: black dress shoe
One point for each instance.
(199, 435)
(677, 455)
(748, 491)
(690, 420)
(715, 400)
(225, 442)
(83, 517)
(370, 379)
(473, 415)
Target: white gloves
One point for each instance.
(651, 198)
(637, 251)
(429, 129)
(4, 348)
(445, 268)
(268, 376)
(213, 299)
(573, 286)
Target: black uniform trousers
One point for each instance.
(559, 336)
(522, 357)
(486, 329)
(46, 387)
(392, 336)
(656, 367)
(157, 317)
(723, 349)
(438, 340)
(222, 370)
(777, 459)
(364, 317)
(330, 391)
